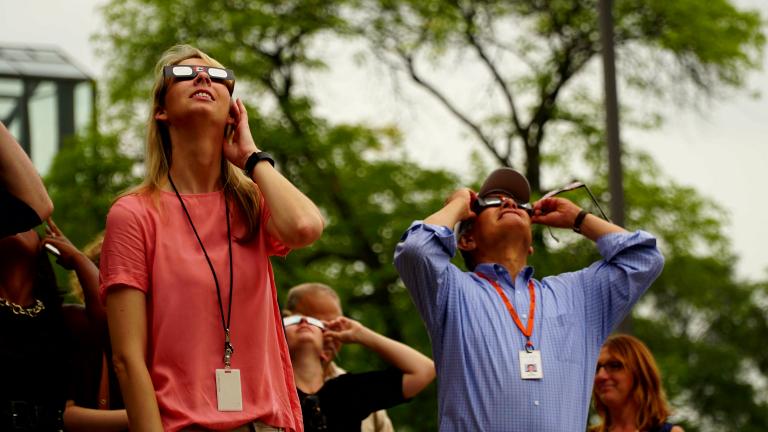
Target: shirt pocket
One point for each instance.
(561, 334)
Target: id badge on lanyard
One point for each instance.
(530, 365)
(229, 393)
(529, 358)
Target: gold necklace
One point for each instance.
(31, 311)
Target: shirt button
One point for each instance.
(524, 316)
(536, 403)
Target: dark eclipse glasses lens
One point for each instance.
(184, 72)
(481, 204)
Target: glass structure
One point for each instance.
(45, 98)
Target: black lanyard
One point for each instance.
(228, 349)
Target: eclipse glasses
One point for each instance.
(481, 204)
(296, 319)
(575, 185)
(186, 72)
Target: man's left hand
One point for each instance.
(555, 212)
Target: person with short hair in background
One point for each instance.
(340, 404)
(322, 302)
(514, 353)
(197, 340)
(628, 394)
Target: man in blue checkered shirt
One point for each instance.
(514, 353)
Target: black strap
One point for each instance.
(228, 349)
(579, 219)
(255, 158)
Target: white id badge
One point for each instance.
(228, 391)
(530, 365)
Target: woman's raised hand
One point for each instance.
(345, 330)
(242, 144)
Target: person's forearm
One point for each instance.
(295, 218)
(594, 227)
(418, 369)
(19, 176)
(88, 276)
(77, 419)
(395, 353)
(127, 316)
(138, 394)
(447, 216)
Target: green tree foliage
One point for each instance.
(534, 54)
(705, 327)
(86, 175)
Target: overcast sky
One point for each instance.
(722, 152)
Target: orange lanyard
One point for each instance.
(528, 330)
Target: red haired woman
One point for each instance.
(628, 395)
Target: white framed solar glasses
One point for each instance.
(296, 319)
(185, 72)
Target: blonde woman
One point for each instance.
(191, 301)
(627, 393)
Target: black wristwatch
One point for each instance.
(255, 158)
(579, 219)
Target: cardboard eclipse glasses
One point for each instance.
(187, 72)
(296, 319)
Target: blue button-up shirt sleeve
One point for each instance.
(636, 262)
(423, 259)
(612, 286)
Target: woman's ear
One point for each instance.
(232, 119)
(530, 250)
(161, 115)
(233, 116)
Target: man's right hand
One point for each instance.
(458, 207)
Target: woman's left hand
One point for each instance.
(242, 145)
(69, 252)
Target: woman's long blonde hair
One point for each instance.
(237, 186)
(647, 392)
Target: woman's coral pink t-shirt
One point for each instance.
(152, 248)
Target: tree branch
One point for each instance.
(475, 128)
(469, 31)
